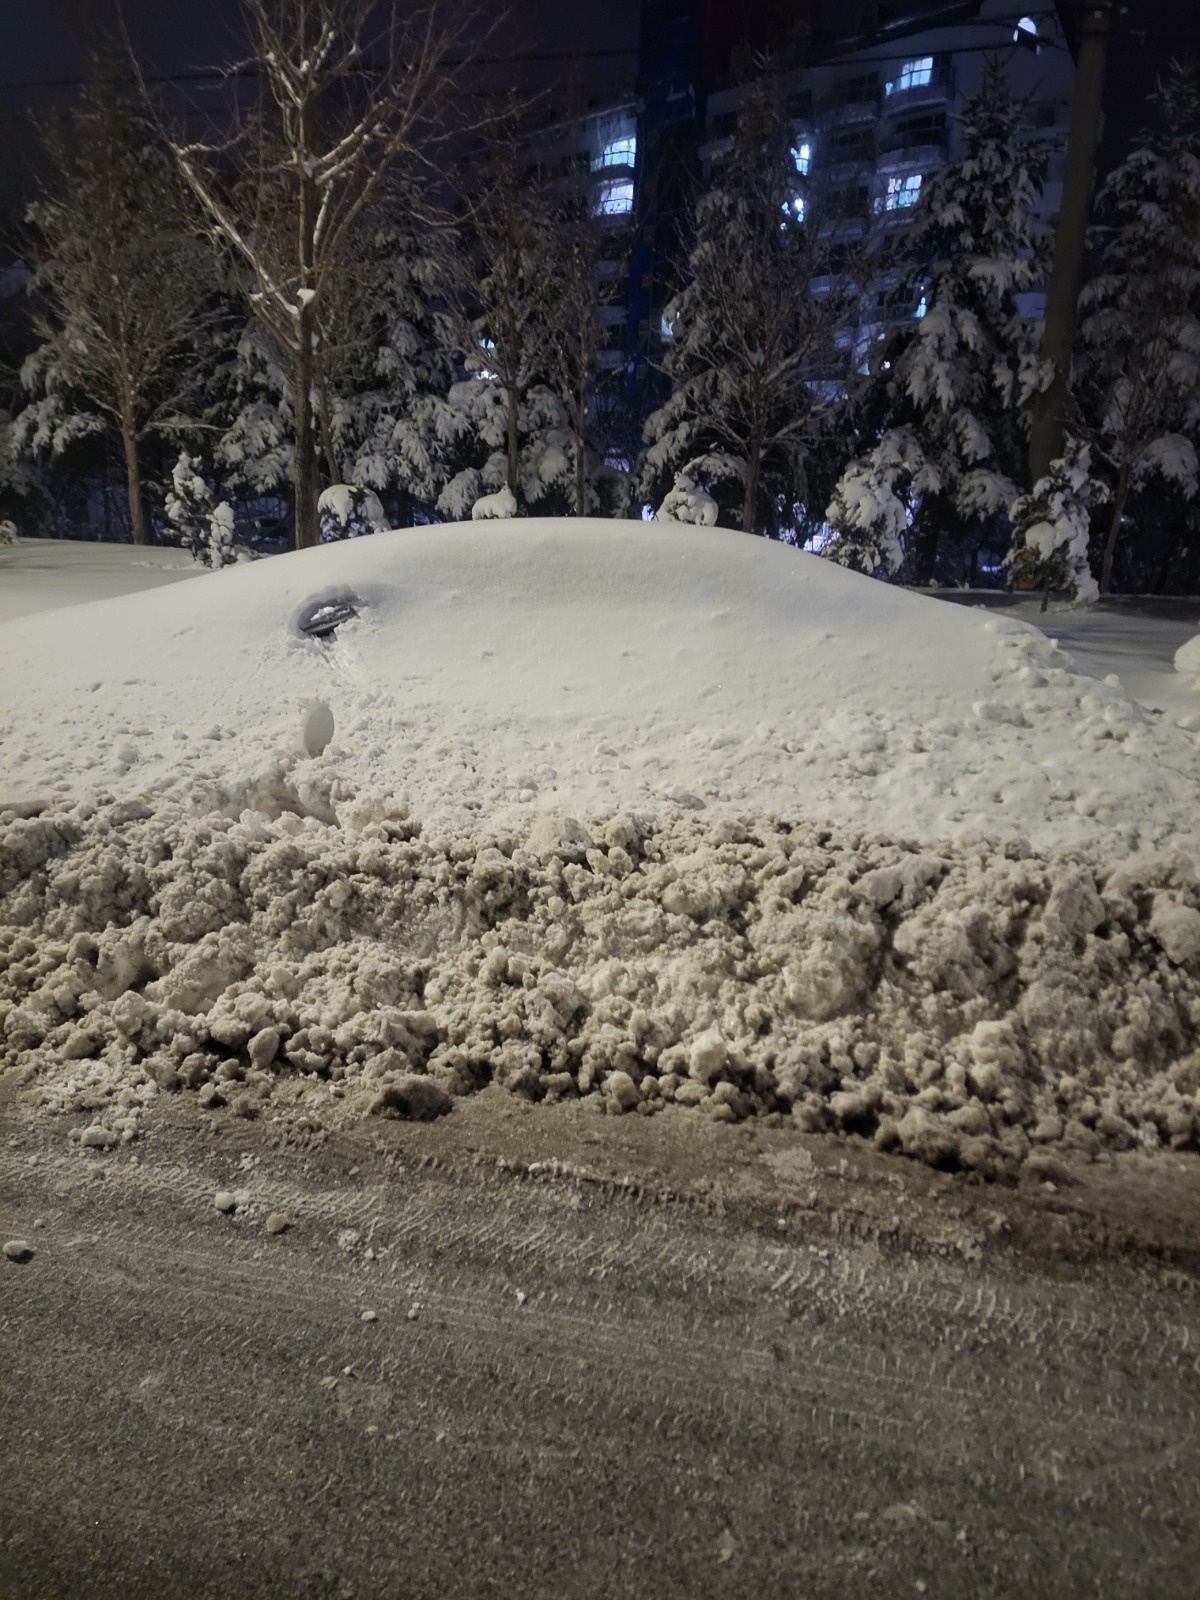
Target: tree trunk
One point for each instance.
(331, 460)
(753, 462)
(925, 550)
(510, 399)
(305, 477)
(1110, 544)
(138, 522)
(580, 459)
(327, 428)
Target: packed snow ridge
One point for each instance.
(652, 815)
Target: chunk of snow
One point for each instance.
(1187, 657)
(499, 506)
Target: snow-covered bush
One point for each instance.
(867, 514)
(201, 526)
(687, 502)
(500, 505)
(8, 532)
(348, 511)
(1052, 526)
(478, 411)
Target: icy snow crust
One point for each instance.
(651, 814)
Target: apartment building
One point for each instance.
(876, 108)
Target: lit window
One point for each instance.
(620, 152)
(916, 74)
(900, 193)
(487, 347)
(802, 157)
(794, 207)
(615, 197)
(665, 330)
(1026, 32)
(922, 308)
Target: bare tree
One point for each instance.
(349, 89)
(123, 290)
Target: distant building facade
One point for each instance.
(876, 101)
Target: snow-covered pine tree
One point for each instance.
(201, 525)
(577, 336)
(508, 426)
(348, 511)
(388, 360)
(745, 333)
(124, 290)
(1052, 526)
(255, 450)
(1139, 367)
(944, 407)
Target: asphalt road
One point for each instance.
(741, 1370)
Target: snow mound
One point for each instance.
(500, 670)
(1187, 657)
(651, 814)
(967, 1007)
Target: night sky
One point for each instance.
(46, 45)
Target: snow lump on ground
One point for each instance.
(653, 814)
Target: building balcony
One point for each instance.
(913, 150)
(857, 100)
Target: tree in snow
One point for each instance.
(388, 359)
(123, 291)
(869, 515)
(685, 502)
(255, 445)
(350, 90)
(945, 403)
(1052, 526)
(579, 243)
(201, 525)
(1139, 367)
(746, 333)
(348, 511)
(510, 425)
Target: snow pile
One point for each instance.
(1187, 657)
(967, 1006)
(495, 507)
(648, 814)
(583, 666)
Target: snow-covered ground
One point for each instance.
(660, 812)
(588, 667)
(1139, 648)
(43, 574)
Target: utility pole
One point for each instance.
(1058, 333)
